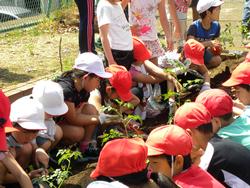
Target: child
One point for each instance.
(169, 149)
(28, 121)
(7, 161)
(50, 95)
(239, 130)
(82, 118)
(130, 169)
(220, 105)
(115, 32)
(216, 159)
(86, 26)
(143, 20)
(191, 57)
(117, 87)
(144, 72)
(207, 29)
(195, 51)
(177, 12)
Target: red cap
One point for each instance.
(192, 115)
(4, 117)
(217, 101)
(169, 140)
(121, 81)
(240, 75)
(194, 50)
(121, 157)
(141, 53)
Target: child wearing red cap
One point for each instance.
(117, 87)
(207, 29)
(7, 161)
(124, 160)
(239, 130)
(144, 72)
(194, 51)
(169, 149)
(221, 157)
(216, 157)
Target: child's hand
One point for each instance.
(38, 172)
(41, 157)
(170, 44)
(177, 84)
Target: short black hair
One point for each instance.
(187, 161)
(245, 86)
(203, 14)
(227, 116)
(205, 128)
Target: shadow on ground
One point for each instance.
(9, 77)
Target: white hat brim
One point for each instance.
(104, 74)
(33, 125)
(57, 111)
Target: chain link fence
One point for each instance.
(23, 13)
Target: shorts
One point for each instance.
(41, 140)
(155, 47)
(124, 58)
(207, 57)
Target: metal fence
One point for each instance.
(23, 13)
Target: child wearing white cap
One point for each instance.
(50, 95)
(207, 29)
(27, 116)
(82, 118)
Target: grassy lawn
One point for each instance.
(33, 53)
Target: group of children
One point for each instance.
(206, 146)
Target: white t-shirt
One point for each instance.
(143, 15)
(119, 34)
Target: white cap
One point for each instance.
(91, 63)
(204, 5)
(50, 94)
(28, 113)
(104, 184)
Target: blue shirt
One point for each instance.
(201, 34)
(239, 130)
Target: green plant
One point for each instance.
(226, 36)
(112, 134)
(56, 177)
(125, 121)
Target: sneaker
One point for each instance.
(92, 152)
